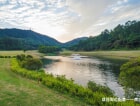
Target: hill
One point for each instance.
(121, 37)
(16, 39)
(74, 41)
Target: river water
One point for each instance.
(87, 69)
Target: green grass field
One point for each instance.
(19, 91)
(107, 54)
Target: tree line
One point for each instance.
(48, 49)
(9, 43)
(18, 39)
(125, 36)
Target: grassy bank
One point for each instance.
(103, 54)
(125, 55)
(34, 53)
(19, 91)
(65, 86)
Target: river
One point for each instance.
(100, 71)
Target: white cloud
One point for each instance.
(97, 16)
(67, 19)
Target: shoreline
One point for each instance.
(117, 55)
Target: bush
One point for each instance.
(20, 57)
(1, 56)
(13, 56)
(29, 56)
(29, 62)
(99, 88)
(130, 74)
(32, 64)
(129, 77)
(5, 57)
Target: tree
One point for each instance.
(130, 74)
(32, 64)
(29, 62)
(121, 37)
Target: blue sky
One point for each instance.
(67, 19)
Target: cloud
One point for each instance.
(95, 16)
(67, 19)
(86, 13)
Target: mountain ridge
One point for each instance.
(122, 37)
(74, 41)
(15, 39)
(24, 39)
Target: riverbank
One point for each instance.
(16, 90)
(120, 55)
(23, 91)
(34, 53)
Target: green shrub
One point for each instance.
(13, 56)
(1, 56)
(130, 74)
(29, 62)
(99, 88)
(29, 56)
(32, 64)
(8, 56)
(5, 57)
(20, 57)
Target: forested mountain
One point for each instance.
(125, 36)
(74, 41)
(15, 39)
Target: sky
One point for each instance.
(65, 20)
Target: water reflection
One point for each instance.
(93, 69)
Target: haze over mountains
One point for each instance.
(125, 36)
(15, 39)
(121, 37)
